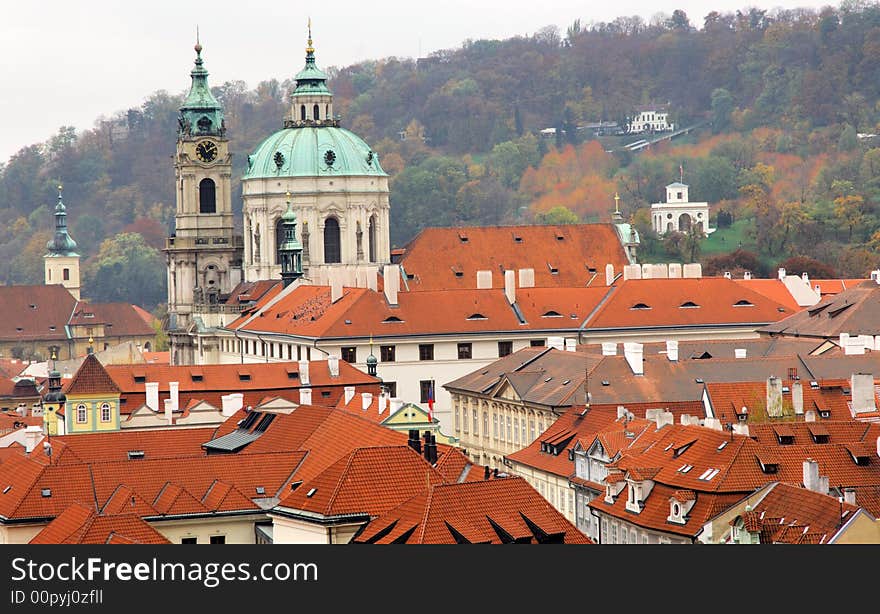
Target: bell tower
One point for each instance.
(203, 254)
(61, 259)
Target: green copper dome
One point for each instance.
(313, 151)
(200, 114)
(61, 244)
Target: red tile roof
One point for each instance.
(368, 481)
(665, 304)
(773, 289)
(91, 378)
(79, 524)
(492, 511)
(436, 255)
(35, 312)
(119, 319)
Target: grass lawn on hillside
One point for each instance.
(726, 240)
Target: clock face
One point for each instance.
(206, 151)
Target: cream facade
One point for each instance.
(678, 214)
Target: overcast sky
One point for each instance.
(69, 62)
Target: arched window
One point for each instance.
(332, 251)
(371, 238)
(279, 238)
(327, 111)
(315, 112)
(81, 414)
(302, 112)
(105, 412)
(207, 196)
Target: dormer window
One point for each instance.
(462, 237)
(390, 319)
(477, 316)
(640, 306)
(551, 314)
(553, 269)
(743, 303)
(688, 305)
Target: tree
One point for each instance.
(848, 139)
(722, 107)
(737, 261)
(557, 215)
(126, 269)
(797, 265)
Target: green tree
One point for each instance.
(722, 107)
(126, 269)
(848, 139)
(557, 215)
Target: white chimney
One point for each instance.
(174, 395)
(712, 423)
(665, 418)
(527, 278)
(349, 394)
(169, 411)
(811, 475)
(797, 397)
(609, 274)
(383, 402)
(152, 389)
(674, 270)
(810, 416)
(849, 496)
(609, 348)
(391, 281)
(843, 339)
(305, 396)
(862, 392)
(304, 372)
(672, 350)
(818, 290)
(727, 275)
(366, 400)
(741, 429)
(333, 365)
(774, 397)
(747, 275)
(646, 271)
(621, 411)
(570, 345)
(781, 273)
(740, 352)
(372, 274)
(867, 341)
(652, 414)
(875, 275)
(853, 346)
(335, 285)
(693, 270)
(32, 436)
(632, 271)
(806, 278)
(484, 280)
(659, 271)
(396, 404)
(557, 343)
(634, 352)
(231, 403)
(510, 286)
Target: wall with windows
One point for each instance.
(91, 413)
(556, 489)
(235, 530)
(616, 531)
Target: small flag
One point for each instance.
(681, 173)
(431, 402)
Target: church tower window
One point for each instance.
(371, 238)
(332, 252)
(207, 196)
(302, 112)
(316, 112)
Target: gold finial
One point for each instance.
(91, 340)
(53, 355)
(616, 202)
(310, 49)
(198, 46)
(288, 197)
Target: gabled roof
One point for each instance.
(79, 524)
(449, 258)
(647, 303)
(493, 511)
(119, 319)
(35, 312)
(369, 481)
(855, 311)
(91, 378)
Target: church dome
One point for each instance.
(324, 151)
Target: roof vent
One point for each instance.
(311, 492)
(46, 492)
(261, 490)
(135, 454)
(7, 489)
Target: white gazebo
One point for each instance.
(678, 213)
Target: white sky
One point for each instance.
(69, 62)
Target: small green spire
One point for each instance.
(200, 113)
(290, 250)
(61, 244)
(311, 79)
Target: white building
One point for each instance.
(650, 119)
(678, 213)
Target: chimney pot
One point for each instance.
(231, 403)
(634, 352)
(366, 400)
(304, 372)
(781, 274)
(797, 397)
(349, 394)
(510, 286)
(609, 274)
(305, 396)
(396, 404)
(333, 365)
(672, 350)
(484, 280)
(391, 281)
(527, 278)
(152, 392)
(174, 394)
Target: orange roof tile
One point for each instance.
(493, 511)
(449, 258)
(91, 378)
(773, 289)
(79, 524)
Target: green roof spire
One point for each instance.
(61, 244)
(290, 250)
(200, 114)
(311, 79)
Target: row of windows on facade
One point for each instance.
(514, 433)
(82, 413)
(387, 353)
(332, 241)
(612, 534)
(213, 539)
(65, 274)
(316, 112)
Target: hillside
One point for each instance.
(783, 96)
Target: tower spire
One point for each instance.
(200, 113)
(309, 49)
(290, 250)
(61, 244)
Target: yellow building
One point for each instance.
(92, 403)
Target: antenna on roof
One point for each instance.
(586, 387)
